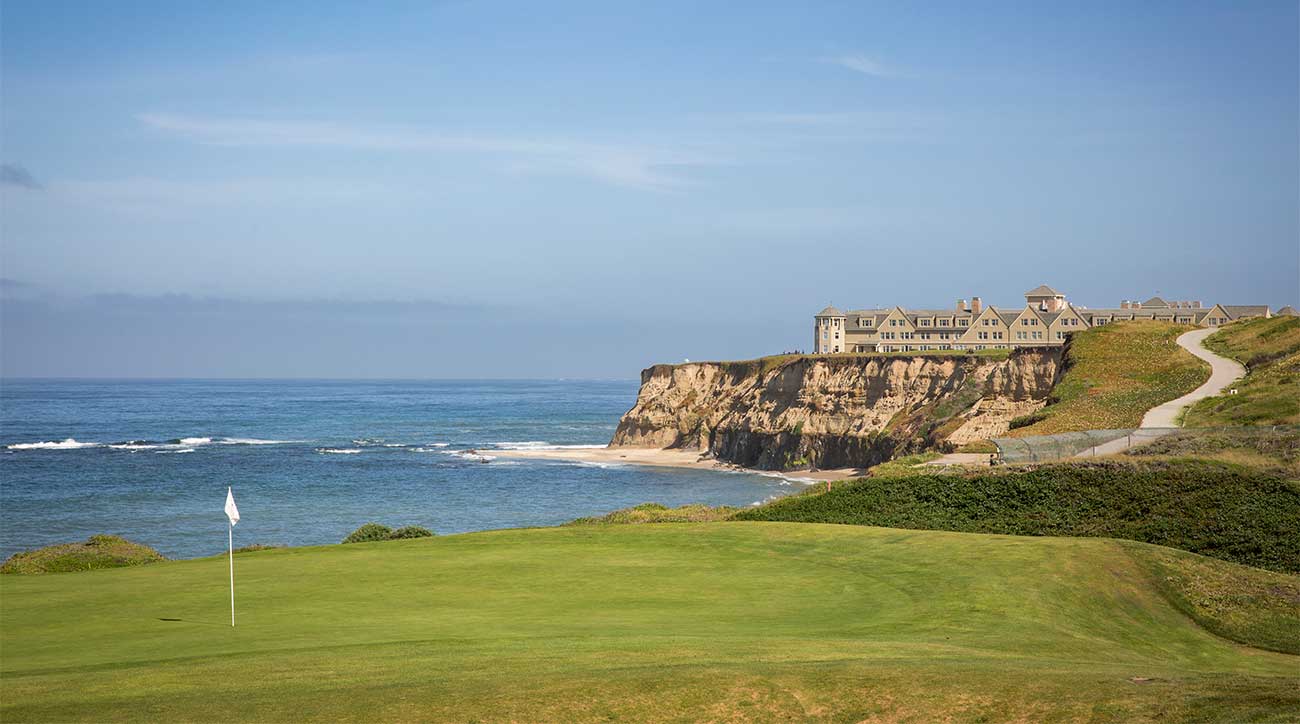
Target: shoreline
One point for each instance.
(656, 457)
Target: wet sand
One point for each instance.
(668, 459)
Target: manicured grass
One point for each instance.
(1114, 374)
(98, 551)
(1270, 392)
(681, 622)
(1224, 511)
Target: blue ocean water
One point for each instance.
(310, 460)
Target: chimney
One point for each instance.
(961, 305)
(976, 305)
(1123, 304)
(1196, 304)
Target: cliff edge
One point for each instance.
(832, 412)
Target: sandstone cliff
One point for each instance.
(831, 412)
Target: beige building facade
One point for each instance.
(1046, 319)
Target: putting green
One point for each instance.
(713, 621)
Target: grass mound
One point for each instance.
(1223, 511)
(1247, 605)
(1272, 448)
(658, 513)
(98, 551)
(1113, 375)
(684, 622)
(1270, 392)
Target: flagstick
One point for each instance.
(231, 535)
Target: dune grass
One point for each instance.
(681, 622)
(98, 551)
(1114, 374)
(1270, 392)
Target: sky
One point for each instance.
(529, 190)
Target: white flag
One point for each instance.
(231, 511)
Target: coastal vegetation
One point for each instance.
(690, 621)
(1113, 375)
(1270, 392)
(1230, 512)
(98, 551)
(371, 532)
(658, 513)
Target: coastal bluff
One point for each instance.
(820, 412)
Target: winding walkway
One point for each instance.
(1164, 417)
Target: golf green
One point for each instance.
(712, 621)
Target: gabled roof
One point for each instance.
(829, 312)
(1042, 290)
(1008, 317)
(1155, 302)
(1287, 311)
(1237, 311)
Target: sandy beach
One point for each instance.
(668, 458)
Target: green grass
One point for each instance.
(1230, 512)
(659, 513)
(1114, 374)
(683, 622)
(1274, 449)
(763, 365)
(1270, 392)
(98, 551)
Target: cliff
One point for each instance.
(831, 412)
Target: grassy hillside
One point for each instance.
(1229, 512)
(1270, 393)
(1115, 373)
(98, 551)
(685, 622)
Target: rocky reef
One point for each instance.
(830, 412)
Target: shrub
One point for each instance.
(369, 532)
(1223, 511)
(410, 531)
(98, 551)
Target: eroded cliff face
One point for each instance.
(832, 412)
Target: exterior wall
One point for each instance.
(938, 330)
(828, 335)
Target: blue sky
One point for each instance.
(582, 189)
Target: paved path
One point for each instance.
(1223, 372)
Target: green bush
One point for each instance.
(369, 532)
(1220, 510)
(98, 551)
(410, 531)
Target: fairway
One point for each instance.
(711, 621)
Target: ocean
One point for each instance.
(310, 460)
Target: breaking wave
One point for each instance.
(541, 445)
(68, 444)
(338, 450)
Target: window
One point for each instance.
(1060, 335)
(944, 323)
(923, 322)
(963, 322)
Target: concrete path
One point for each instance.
(1223, 372)
(1163, 419)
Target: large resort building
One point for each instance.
(1046, 319)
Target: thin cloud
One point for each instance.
(15, 175)
(859, 63)
(631, 166)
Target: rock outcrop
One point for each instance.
(832, 412)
